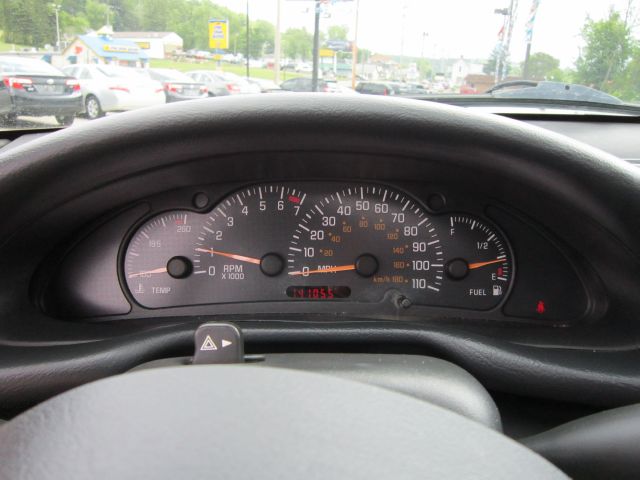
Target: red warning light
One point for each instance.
(500, 271)
(540, 308)
(294, 199)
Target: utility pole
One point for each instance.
(316, 47)
(529, 31)
(56, 10)
(502, 60)
(512, 20)
(404, 24)
(354, 49)
(424, 35)
(277, 46)
(248, 39)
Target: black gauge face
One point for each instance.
(368, 238)
(156, 262)
(239, 253)
(234, 253)
(479, 267)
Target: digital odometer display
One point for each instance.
(320, 292)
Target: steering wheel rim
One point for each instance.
(97, 154)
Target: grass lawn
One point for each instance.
(225, 67)
(10, 47)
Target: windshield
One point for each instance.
(577, 56)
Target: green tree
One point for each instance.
(606, 53)
(364, 55)
(28, 22)
(424, 67)
(338, 32)
(97, 13)
(542, 66)
(261, 39)
(297, 43)
(73, 25)
(489, 68)
(627, 85)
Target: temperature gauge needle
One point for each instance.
(342, 268)
(473, 266)
(148, 272)
(240, 258)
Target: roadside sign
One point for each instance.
(219, 34)
(327, 52)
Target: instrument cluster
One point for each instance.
(318, 242)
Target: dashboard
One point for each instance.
(321, 225)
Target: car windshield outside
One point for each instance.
(578, 56)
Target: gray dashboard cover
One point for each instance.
(248, 422)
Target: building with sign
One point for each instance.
(102, 48)
(153, 44)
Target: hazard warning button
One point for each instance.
(218, 343)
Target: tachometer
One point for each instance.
(365, 240)
(239, 253)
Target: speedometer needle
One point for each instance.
(342, 268)
(240, 258)
(148, 272)
(473, 266)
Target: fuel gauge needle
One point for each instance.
(473, 266)
(240, 258)
(148, 272)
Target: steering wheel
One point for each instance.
(241, 421)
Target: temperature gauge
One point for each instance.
(479, 268)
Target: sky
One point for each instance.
(443, 28)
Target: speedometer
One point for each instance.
(365, 240)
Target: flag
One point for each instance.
(532, 18)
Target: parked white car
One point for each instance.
(243, 85)
(111, 88)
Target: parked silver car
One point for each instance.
(215, 83)
(223, 83)
(111, 88)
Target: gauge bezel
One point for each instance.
(512, 258)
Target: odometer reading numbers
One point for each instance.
(479, 267)
(372, 238)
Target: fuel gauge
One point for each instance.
(479, 268)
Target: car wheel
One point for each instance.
(65, 120)
(93, 108)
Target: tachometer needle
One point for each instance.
(473, 266)
(342, 268)
(148, 272)
(240, 258)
